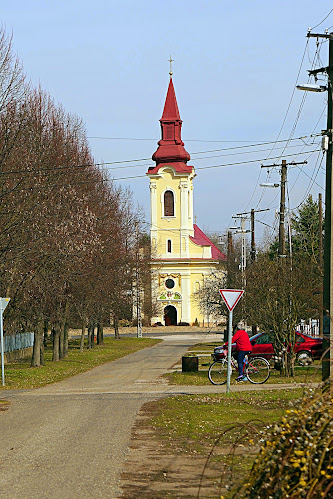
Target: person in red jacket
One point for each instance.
(243, 347)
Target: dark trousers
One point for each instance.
(240, 361)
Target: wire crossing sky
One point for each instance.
(235, 67)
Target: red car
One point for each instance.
(307, 348)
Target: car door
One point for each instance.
(262, 346)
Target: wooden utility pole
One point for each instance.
(328, 244)
(253, 243)
(320, 263)
(284, 164)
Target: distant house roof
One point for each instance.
(202, 240)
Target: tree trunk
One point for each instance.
(83, 329)
(92, 335)
(38, 337)
(116, 327)
(42, 348)
(56, 341)
(61, 342)
(100, 335)
(89, 335)
(45, 333)
(66, 328)
(63, 330)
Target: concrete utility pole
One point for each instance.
(253, 242)
(243, 231)
(328, 245)
(282, 238)
(138, 287)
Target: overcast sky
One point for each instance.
(235, 69)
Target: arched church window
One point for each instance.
(168, 204)
(169, 245)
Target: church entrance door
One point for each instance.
(170, 316)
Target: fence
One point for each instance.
(18, 341)
(311, 328)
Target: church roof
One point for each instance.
(201, 239)
(171, 150)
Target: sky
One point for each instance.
(235, 68)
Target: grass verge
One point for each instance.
(309, 374)
(225, 430)
(19, 374)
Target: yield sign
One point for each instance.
(231, 297)
(3, 303)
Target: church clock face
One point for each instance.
(170, 283)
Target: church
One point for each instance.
(182, 255)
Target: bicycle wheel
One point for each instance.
(257, 370)
(217, 372)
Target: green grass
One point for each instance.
(302, 375)
(225, 430)
(20, 375)
(194, 422)
(310, 374)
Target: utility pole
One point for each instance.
(243, 231)
(282, 238)
(284, 164)
(253, 243)
(320, 263)
(328, 245)
(138, 288)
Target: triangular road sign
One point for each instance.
(3, 303)
(231, 297)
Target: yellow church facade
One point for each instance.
(183, 257)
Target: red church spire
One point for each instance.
(171, 111)
(171, 147)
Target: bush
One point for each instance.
(296, 459)
(183, 324)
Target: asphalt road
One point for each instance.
(70, 439)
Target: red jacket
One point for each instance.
(242, 341)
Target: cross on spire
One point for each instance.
(171, 61)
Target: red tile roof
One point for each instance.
(201, 239)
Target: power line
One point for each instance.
(70, 184)
(88, 165)
(322, 20)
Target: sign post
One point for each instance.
(230, 297)
(3, 304)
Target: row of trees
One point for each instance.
(279, 292)
(68, 234)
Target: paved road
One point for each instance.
(70, 439)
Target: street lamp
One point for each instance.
(307, 87)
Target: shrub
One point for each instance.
(296, 459)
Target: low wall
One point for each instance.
(17, 354)
(157, 329)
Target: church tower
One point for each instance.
(182, 254)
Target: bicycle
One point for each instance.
(257, 369)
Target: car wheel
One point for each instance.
(304, 358)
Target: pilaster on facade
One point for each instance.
(186, 294)
(153, 205)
